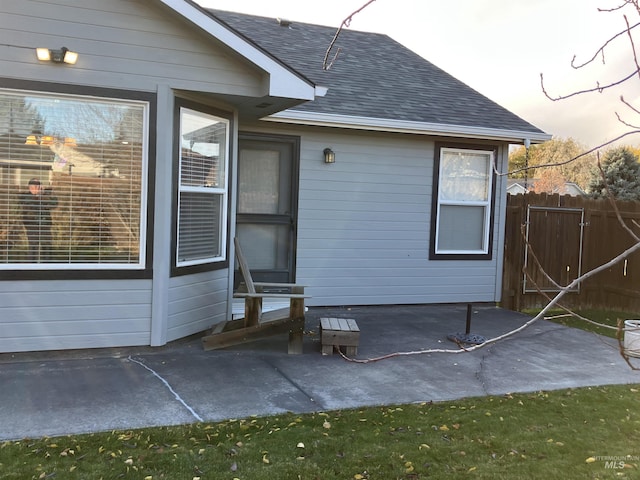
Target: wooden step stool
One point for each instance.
(339, 332)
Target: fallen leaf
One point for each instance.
(444, 428)
(471, 469)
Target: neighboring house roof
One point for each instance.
(516, 186)
(378, 83)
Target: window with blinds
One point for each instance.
(72, 172)
(464, 202)
(202, 188)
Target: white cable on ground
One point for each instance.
(197, 417)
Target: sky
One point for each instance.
(500, 48)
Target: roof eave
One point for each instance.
(405, 126)
(282, 81)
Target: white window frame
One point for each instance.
(486, 203)
(97, 266)
(221, 191)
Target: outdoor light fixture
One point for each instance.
(64, 55)
(329, 156)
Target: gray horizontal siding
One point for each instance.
(196, 302)
(133, 43)
(364, 225)
(48, 315)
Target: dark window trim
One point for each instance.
(200, 107)
(434, 203)
(67, 272)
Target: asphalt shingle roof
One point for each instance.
(374, 76)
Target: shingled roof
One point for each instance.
(375, 77)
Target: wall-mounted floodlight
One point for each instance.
(64, 55)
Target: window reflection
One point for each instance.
(87, 154)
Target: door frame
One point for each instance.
(294, 143)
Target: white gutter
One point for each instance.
(404, 126)
(283, 82)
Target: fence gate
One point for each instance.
(555, 236)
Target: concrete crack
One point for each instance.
(480, 372)
(293, 383)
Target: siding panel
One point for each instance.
(196, 302)
(74, 314)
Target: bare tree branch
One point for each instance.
(602, 48)
(633, 45)
(598, 88)
(326, 65)
(573, 159)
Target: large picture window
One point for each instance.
(202, 188)
(72, 181)
(462, 203)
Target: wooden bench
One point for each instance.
(337, 333)
(257, 324)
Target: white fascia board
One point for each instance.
(283, 82)
(404, 126)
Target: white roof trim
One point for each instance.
(404, 126)
(283, 82)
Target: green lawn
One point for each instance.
(607, 317)
(580, 433)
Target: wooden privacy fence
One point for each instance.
(569, 236)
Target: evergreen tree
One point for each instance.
(621, 174)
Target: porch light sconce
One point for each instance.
(64, 55)
(329, 156)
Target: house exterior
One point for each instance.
(178, 128)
